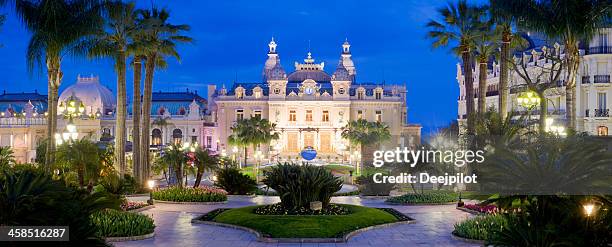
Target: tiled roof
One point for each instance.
(16, 101)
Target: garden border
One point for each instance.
(474, 212)
(138, 210)
(421, 204)
(343, 239)
(131, 238)
(193, 203)
(467, 240)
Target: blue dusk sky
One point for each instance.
(387, 37)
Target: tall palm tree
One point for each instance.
(485, 48)
(113, 41)
(252, 132)
(160, 40)
(51, 41)
(460, 24)
(204, 161)
(365, 134)
(571, 21)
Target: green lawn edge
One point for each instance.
(309, 226)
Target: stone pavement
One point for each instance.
(433, 226)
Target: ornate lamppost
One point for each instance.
(529, 100)
(69, 109)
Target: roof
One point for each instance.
(319, 76)
(178, 96)
(176, 103)
(17, 101)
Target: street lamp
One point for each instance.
(558, 130)
(258, 157)
(151, 184)
(69, 109)
(528, 99)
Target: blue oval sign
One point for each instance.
(308, 153)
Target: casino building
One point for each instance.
(308, 105)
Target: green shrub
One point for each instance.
(368, 187)
(278, 209)
(200, 194)
(480, 227)
(235, 182)
(430, 197)
(298, 185)
(115, 223)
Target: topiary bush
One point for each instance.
(431, 197)
(298, 185)
(480, 227)
(200, 194)
(235, 182)
(115, 223)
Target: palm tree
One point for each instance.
(571, 21)
(175, 158)
(160, 39)
(365, 134)
(83, 157)
(113, 41)
(485, 47)
(460, 24)
(51, 41)
(204, 161)
(252, 132)
(6, 157)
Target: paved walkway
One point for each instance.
(433, 226)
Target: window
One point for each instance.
(308, 115)
(194, 139)
(359, 114)
(292, 116)
(308, 139)
(277, 91)
(257, 94)
(292, 142)
(208, 141)
(341, 90)
(177, 136)
(601, 101)
(602, 131)
(156, 137)
(378, 116)
(378, 94)
(325, 117)
(325, 142)
(257, 113)
(239, 114)
(360, 94)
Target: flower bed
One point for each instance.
(115, 223)
(278, 209)
(201, 194)
(485, 209)
(433, 197)
(129, 205)
(480, 227)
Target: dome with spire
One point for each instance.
(341, 74)
(277, 73)
(95, 96)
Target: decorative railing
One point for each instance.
(586, 79)
(601, 79)
(14, 121)
(602, 112)
(600, 50)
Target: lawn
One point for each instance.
(282, 226)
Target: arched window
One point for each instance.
(177, 136)
(156, 137)
(182, 111)
(602, 131)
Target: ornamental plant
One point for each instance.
(432, 197)
(234, 182)
(488, 209)
(200, 194)
(480, 227)
(298, 185)
(115, 223)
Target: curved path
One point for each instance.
(433, 226)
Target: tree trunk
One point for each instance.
(120, 132)
(543, 113)
(54, 77)
(179, 174)
(503, 75)
(482, 86)
(198, 177)
(136, 152)
(573, 63)
(469, 89)
(246, 150)
(146, 114)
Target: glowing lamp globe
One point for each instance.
(308, 153)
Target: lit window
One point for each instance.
(360, 94)
(257, 94)
(292, 116)
(325, 117)
(378, 116)
(208, 141)
(378, 94)
(359, 114)
(239, 114)
(602, 131)
(308, 115)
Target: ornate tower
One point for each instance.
(274, 74)
(346, 61)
